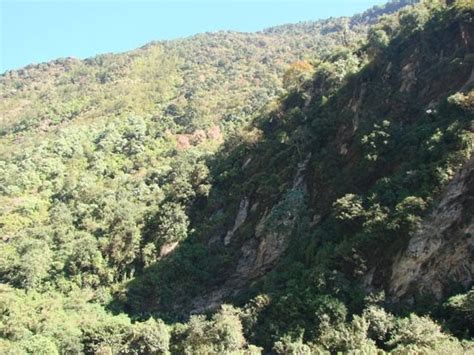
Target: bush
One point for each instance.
(150, 337)
(416, 332)
(349, 208)
(380, 323)
(347, 338)
(222, 334)
(286, 345)
(460, 313)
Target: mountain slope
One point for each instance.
(328, 200)
(327, 191)
(236, 69)
(85, 144)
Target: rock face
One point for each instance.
(259, 254)
(168, 248)
(272, 231)
(239, 219)
(441, 253)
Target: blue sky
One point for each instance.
(35, 31)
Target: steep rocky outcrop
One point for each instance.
(259, 254)
(441, 253)
(239, 219)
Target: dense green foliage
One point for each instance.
(119, 174)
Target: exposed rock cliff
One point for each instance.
(441, 253)
(271, 236)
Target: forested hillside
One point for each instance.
(304, 189)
